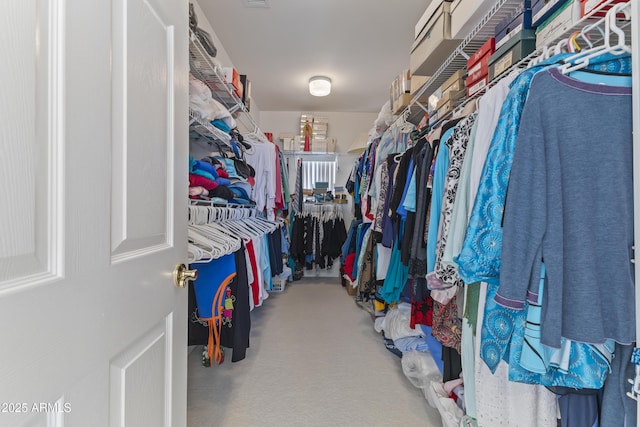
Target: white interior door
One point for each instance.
(93, 159)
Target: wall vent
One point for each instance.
(256, 3)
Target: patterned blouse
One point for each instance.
(444, 275)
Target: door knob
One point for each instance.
(181, 275)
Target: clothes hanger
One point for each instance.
(406, 126)
(202, 246)
(538, 59)
(268, 226)
(195, 254)
(559, 47)
(232, 241)
(192, 255)
(583, 59)
(573, 45)
(252, 226)
(205, 242)
(259, 225)
(221, 237)
(235, 228)
(197, 215)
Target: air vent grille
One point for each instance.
(256, 3)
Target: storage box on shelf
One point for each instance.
(416, 84)
(480, 84)
(511, 25)
(401, 84)
(558, 23)
(400, 91)
(319, 146)
(445, 108)
(454, 83)
(486, 50)
(401, 103)
(478, 68)
(232, 77)
(325, 145)
(449, 92)
(417, 114)
(450, 97)
(456, 56)
(588, 6)
(543, 9)
(320, 127)
(446, 97)
(432, 5)
(466, 14)
(448, 102)
(204, 68)
(433, 43)
(518, 47)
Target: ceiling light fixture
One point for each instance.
(319, 86)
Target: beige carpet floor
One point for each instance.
(314, 360)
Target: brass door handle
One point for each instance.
(181, 275)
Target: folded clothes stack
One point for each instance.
(217, 178)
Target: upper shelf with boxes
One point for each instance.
(449, 33)
(476, 41)
(231, 89)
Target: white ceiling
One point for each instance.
(360, 44)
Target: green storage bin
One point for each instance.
(519, 46)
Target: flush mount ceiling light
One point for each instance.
(319, 86)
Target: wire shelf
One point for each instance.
(592, 27)
(457, 60)
(206, 129)
(205, 69)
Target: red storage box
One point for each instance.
(473, 88)
(232, 76)
(486, 50)
(478, 71)
(587, 6)
(478, 67)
